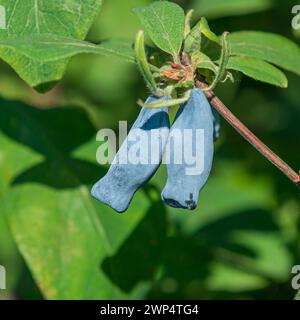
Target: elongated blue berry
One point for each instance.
(137, 160)
(189, 152)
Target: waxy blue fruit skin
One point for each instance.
(182, 190)
(119, 185)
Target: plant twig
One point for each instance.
(248, 135)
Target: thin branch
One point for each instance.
(249, 136)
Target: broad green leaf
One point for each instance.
(69, 18)
(165, 23)
(73, 245)
(49, 47)
(266, 46)
(221, 8)
(258, 70)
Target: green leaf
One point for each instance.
(205, 29)
(165, 23)
(258, 70)
(221, 8)
(49, 47)
(69, 18)
(73, 245)
(202, 61)
(266, 46)
(210, 42)
(192, 43)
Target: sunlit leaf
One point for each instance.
(69, 18)
(48, 47)
(258, 70)
(266, 46)
(165, 23)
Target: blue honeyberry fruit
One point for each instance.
(122, 180)
(182, 188)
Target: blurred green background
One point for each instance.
(58, 243)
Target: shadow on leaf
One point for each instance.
(48, 132)
(54, 133)
(189, 256)
(140, 255)
(54, 173)
(220, 230)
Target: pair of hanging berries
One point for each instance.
(123, 179)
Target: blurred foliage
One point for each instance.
(241, 242)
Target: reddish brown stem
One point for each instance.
(248, 135)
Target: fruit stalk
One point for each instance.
(248, 135)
